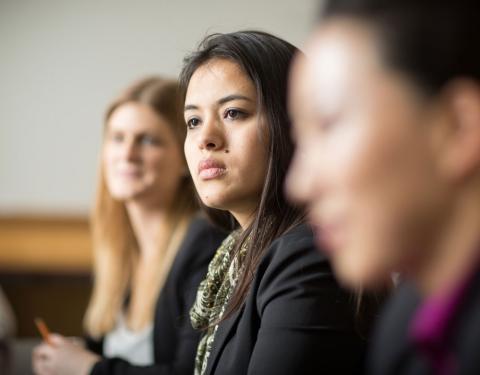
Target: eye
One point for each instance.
(193, 122)
(116, 137)
(149, 140)
(233, 114)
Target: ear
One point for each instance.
(462, 158)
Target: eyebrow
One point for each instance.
(223, 100)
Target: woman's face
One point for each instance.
(141, 157)
(224, 147)
(367, 157)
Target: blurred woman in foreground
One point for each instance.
(387, 122)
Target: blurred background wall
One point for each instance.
(61, 62)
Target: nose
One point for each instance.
(212, 136)
(130, 150)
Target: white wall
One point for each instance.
(62, 61)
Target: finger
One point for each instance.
(43, 350)
(77, 341)
(41, 366)
(56, 339)
(40, 358)
(37, 367)
(46, 351)
(39, 351)
(36, 356)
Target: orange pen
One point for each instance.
(43, 329)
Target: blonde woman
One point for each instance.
(150, 249)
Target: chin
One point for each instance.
(212, 198)
(124, 194)
(213, 203)
(359, 272)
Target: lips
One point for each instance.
(128, 173)
(210, 168)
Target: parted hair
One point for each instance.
(266, 60)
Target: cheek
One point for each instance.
(305, 174)
(168, 164)
(251, 162)
(155, 160)
(357, 163)
(246, 154)
(346, 151)
(107, 161)
(189, 153)
(366, 162)
(340, 162)
(387, 193)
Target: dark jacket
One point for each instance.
(295, 320)
(392, 351)
(175, 341)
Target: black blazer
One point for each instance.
(174, 340)
(392, 352)
(296, 318)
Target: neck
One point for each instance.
(149, 225)
(244, 217)
(457, 251)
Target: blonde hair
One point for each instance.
(115, 247)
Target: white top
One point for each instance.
(134, 347)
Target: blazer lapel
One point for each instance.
(222, 335)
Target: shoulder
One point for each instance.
(293, 264)
(200, 229)
(398, 312)
(295, 248)
(467, 336)
(300, 236)
(390, 341)
(190, 265)
(201, 240)
(295, 287)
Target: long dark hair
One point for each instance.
(432, 42)
(266, 60)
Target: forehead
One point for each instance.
(218, 78)
(340, 56)
(132, 116)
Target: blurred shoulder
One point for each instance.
(202, 238)
(200, 226)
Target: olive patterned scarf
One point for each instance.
(213, 295)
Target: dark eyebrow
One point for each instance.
(229, 98)
(224, 100)
(189, 107)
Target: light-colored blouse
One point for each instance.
(135, 347)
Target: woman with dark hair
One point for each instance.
(269, 303)
(387, 122)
